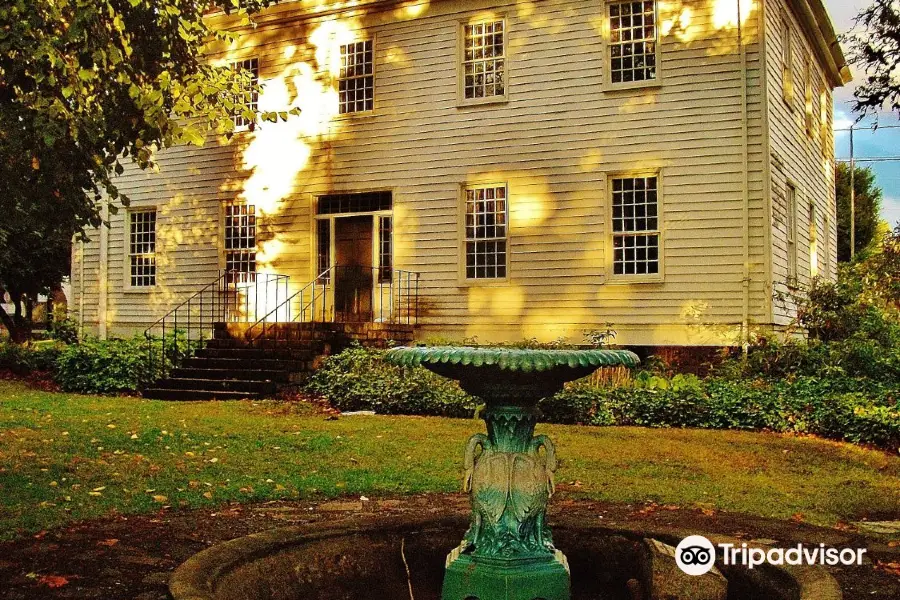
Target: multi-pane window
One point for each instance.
(823, 119)
(323, 248)
(635, 220)
(331, 204)
(791, 201)
(142, 248)
(251, 97)
(385, 248)
(240, 242)
(356, 84)
(787, 60)
(484, 59)
(486, 232)
(813, 242)
(808, 97)
(633, 41)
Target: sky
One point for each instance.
(885, 142)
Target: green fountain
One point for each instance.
(508, 551)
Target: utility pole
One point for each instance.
(852, 197)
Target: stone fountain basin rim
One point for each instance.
(510, 359)
(196, 578)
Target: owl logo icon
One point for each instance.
(695, 555)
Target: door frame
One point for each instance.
(332, 254)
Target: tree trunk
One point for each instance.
(17, 333)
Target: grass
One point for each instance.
(66, 457)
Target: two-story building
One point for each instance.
(534, 168)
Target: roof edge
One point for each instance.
(818, 22)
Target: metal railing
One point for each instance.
(348, 293)
(232, 297)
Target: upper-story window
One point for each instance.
(486, 232)
(250, 65)
(142, 248)
(824, 126)
(787, 60)
(635, 225)
(240, 242)
(808, 98)
(484, 60)
(356, 84)
(633, 41)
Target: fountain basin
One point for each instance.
(327, 563)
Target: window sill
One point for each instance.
(499, 282)
(630, 86)
(489, 101)
(362, 114)
(140, 290)
(634, 280)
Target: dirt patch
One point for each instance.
(132, 557)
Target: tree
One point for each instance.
(868, 209)
(33, 262)
(85, 88)
(874, 47)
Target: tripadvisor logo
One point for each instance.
(696, 555)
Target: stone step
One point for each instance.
(238, 374)
(267, 343)
(220, 385)
(261, 364)
(260, 353)
(161, 393)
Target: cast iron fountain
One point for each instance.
(508, 552)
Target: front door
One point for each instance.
(353, 277)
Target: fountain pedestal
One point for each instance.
(508, 552)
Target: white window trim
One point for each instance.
(809, 124)
(461, 245)
(657, 278)
(824, 121)
(792, 234)
(223, 251)
(461, 100)
(126, 242)
(815, 268)
(611, 86)
(363, 113)
(234, 63)
(788, 89)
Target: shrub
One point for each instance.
(116, 366)
(857, 410)
(23, 359)
(64, 330)
(360, 379)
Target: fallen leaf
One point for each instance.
(108, 543)
(160, 498)
(53, 581)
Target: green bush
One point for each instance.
(64, 330)
(117, 366)
(858, 410)
(359, 379)
(23, 359)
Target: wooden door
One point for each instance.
(354, 274)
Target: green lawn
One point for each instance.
(65, 457)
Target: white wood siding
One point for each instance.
(798, 158)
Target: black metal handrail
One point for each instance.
(394, 299)
(232, 296)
